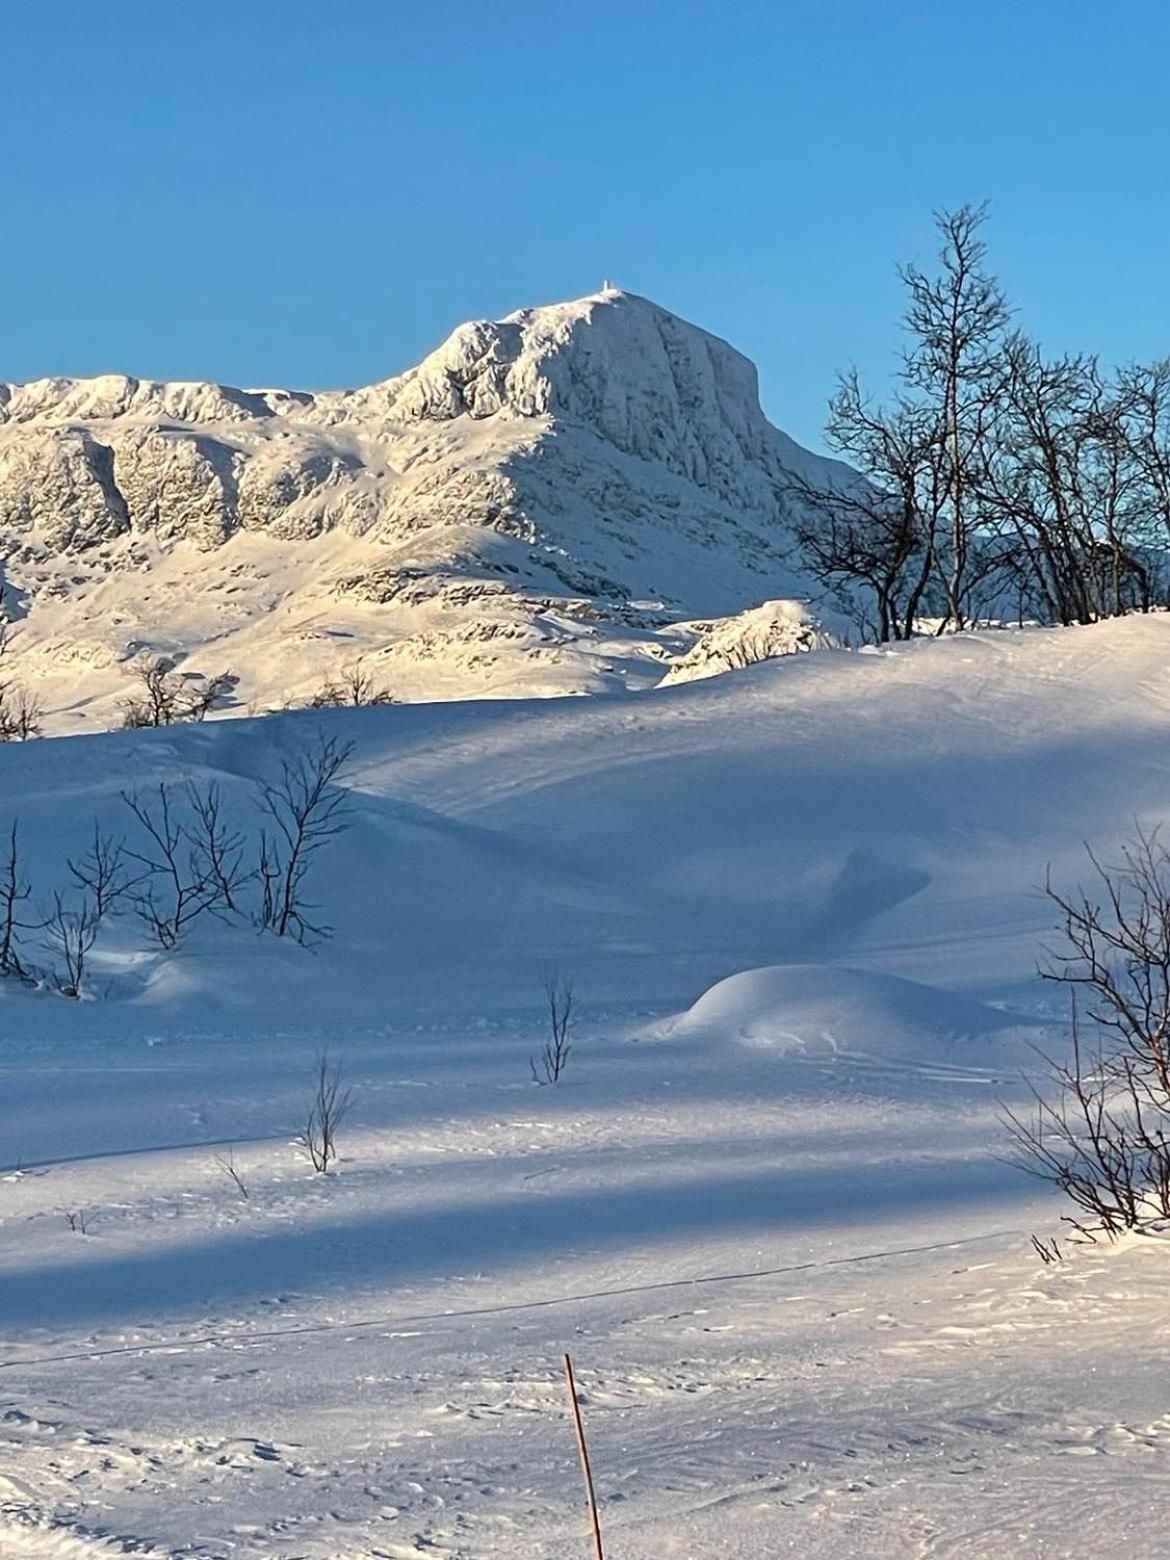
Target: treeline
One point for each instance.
(998, 483)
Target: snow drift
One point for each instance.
(831, 1010)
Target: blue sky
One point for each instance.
(313, 195)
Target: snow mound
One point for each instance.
(823, 1009)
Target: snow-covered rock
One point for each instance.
(762, 633)
(565, 500)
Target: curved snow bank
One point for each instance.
(822, 1009)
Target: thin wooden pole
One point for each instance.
(584, 1451)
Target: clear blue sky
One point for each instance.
(312, 194)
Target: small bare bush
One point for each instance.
(328, 1107)
(70, 933)
(227, 1163)
(553, 1058)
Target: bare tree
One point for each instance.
(956, 319)
(554, 1055)
(70, 933)
(911, 530)
(15, 891)
(880, 532)
(328, 1106)
(308, 807)
(1143, 393)
(1062, 488)
(175, 887)
(270, 873)
(101, 872)
(1048, 1251)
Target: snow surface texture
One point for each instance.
(534, 509)
(763, 1209)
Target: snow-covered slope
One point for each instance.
(764, 1208)
(534, 509)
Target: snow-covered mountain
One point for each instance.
(565, 500)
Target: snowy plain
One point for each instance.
(764, 1208)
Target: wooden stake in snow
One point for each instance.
(584, 1451)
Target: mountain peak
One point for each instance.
(529, 509)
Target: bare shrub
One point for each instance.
(217, 846)
(1099, 1130)
(157, 701)
(70, 933)
(166, 696)
(1096, 1133)
(328, 1106)
(78, 1221)
(227, 1163)
(1048, 1251)
(553, 1058)
(202, 698)
(308, 807)
(175, 887)
(15, 892)
(1115, 946)
(21, 712)
(353, 686)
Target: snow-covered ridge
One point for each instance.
(527, 510)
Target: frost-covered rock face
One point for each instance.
(179, 485)
(528, 510)
(57, 487)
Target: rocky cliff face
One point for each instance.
(528, 510)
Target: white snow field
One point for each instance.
(763, 1209)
